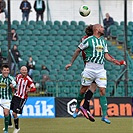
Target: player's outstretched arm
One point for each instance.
(76, 53)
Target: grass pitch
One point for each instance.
(70, 125)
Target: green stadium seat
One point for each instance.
(34, 38)
(51, 37)
(21, 27)
(69, 32)
(52, 58)
(61, 32)
(65, 23)
(2, 38)
(59, 38)
(25, 37)
(68, 77)
(38, 48)
(47, 48)
(47, 27)
(21, 47)
(24, 23)
(30, 27)
(53, 53)
(74, 90)
(74, 43)
(38, 27)
(67, 38)
(60, 57)
(24, 43)
(76, 38)
(113, 27)
(116, 23)
(53, 32)
(80, 27)
(55, 27)
(44, 72)
(19, 32)
(78, 32)
(49, 23)
(130, 23)
(62, 52)
(15, 22)
(60, 77)
(22, 63)
(56, 22)
(48, 42)
(71, 27)
(62, 95)
(63, 27)
(30, 48)
(64, 47)
(45, 53)
(57, 42)
(27, 32)
(28, 53)
(37, 53)
(56, 48)
(81, 23)
(32, 22)
(13, 26)
(40, 22)
(32, 42)
(40, 45)
(4, 27)
(44, 32)
(36, 32)
(66, 43)
(73, 23)
(42, 38)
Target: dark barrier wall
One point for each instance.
(116, 106)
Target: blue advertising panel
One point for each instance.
(37, 107)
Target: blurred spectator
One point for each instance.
(45, 68)
(108, 21)
(3, 8)
(14, 35)
(25, 7)
(39, 7)
(15, 55)
(30, 66)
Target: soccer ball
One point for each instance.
(84, 10)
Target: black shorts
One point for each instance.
(17, 104)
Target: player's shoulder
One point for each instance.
(29, 78)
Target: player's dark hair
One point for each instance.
(89, 30)
(5, 66)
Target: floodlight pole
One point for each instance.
(125, 47)
(9, 32)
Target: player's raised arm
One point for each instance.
(76, 53)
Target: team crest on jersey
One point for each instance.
(99, 48)
(2, 85)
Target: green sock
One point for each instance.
(103, 103)
(79, 99)
(6, 120)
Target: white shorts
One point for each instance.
(94, 72)
(5, 103)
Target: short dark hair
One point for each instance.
(5, 66)
(89, 30)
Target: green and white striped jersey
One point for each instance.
(94, 49)
(5, 89)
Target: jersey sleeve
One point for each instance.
(84, 44)
(105, 48)
(13, 82)
(31, 85)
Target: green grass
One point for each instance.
(70, 125)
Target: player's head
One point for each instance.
(98, 29)
(5, 70)
(89, 30)
(23, 71)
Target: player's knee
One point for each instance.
(83, 89)
(102, 91)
